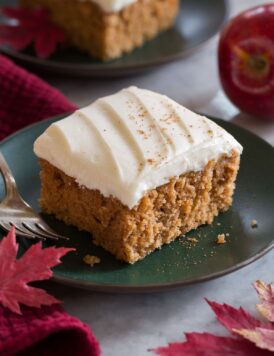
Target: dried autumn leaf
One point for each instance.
(262, 335)
(233, 318)
(30, 26)
(266, 295)
(257, 336)
(263, 338)
(205, 344)
(15, 274)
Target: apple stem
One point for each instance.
(258, 63)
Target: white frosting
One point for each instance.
(112, 5)
(131, 142)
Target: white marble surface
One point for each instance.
(131, 324)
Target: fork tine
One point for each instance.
(46, 229)
(21, 231)
(20, 210)
(35, 231)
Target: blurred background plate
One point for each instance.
(198, 21)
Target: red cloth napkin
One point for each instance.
(25, 99)
(49, 331)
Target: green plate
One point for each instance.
(197, 22)
(179, 263)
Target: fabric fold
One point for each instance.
(26, 99)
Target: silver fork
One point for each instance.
(15, 211)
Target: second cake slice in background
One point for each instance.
(108, 29)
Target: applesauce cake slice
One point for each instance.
(136, 170)
(108, 28)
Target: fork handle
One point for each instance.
(10, 185)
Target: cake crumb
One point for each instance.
(91, 260)
(254, 224)
(193, 240)
(221, 239)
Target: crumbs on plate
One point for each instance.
(193, 240)
(254, 224)
(91, 260)
(221, 239)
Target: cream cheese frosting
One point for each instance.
(112, 5)
(131, 142)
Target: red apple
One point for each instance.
(246, 61)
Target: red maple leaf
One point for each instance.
(15, 274)
(263, 338)
(254, 337)
(233, 318)
(30, 26)
(204, 344)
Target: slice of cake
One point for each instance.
(136, 170)
(108, 28)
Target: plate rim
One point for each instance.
(93, 70)
(162, 287)
(151, 287)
